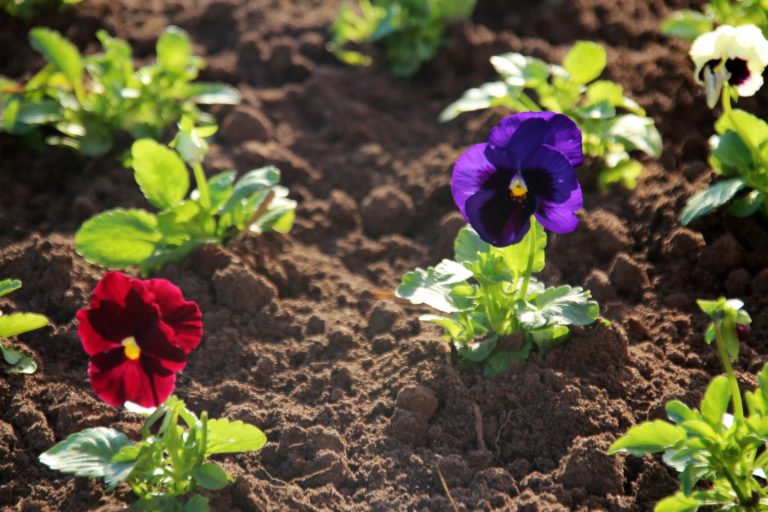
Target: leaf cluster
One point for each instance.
(123, 238)
(13, 325)
(689, 24)
(739, 152)
(722, 461)
(27, 9)
(487, 300)
(409, 31)
(167, 464)
(612, 125)
(80, 102)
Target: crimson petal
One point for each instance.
(183, 316)
(117, 379)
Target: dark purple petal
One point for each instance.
(181, 315)
(560, 217)
(548, 175)
(517, 135)
(117, 379)
(158, 342)
(471, 171)
(497, 218)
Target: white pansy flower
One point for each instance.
(736, 55)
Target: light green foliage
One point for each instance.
(409, 31)
(721, 458)
(27, 9)
(613, 126)
(167, 465)
(223, 208)
(13, 325)
(485, 292)
(688, 24)
(740, 154)
(82, 101)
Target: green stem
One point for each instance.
(531, 258)
(202, 186)
(740, 495)
(738, 407)
(529, 103)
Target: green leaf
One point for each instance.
(19, 323)
(564, 305)
(751, 126)
(174, 50)
(89, 453)
(516, 256)
(747, 205)
(19, 361)
(547, 338)
(607, 91)
(698, 428)
(710, 199)
(585, 61)
(433, 285)
(118, 238)
(716, 400)
(479, 98)
(686, 24)
(520, 70)
(678, 503)
(250, 183)
(9, 285)
(501, 361)
(731, 150)
(469, 245)
(226, 436)
(160, 173)
(678, 412)
(204, 93)
(452, 328)
(625, 172)
(62, 54)
(477, 351)
(649, 437)
(637, 133)
(196, 503)
(210, 476)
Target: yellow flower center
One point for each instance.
(517, 189)
(132, 350)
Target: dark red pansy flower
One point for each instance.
(138, 334)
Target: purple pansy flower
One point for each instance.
(526, 168)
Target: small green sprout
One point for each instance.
(689, 24)
(409, 31)
(613, 125)
(170, 462)
(81, 102)
(721, 457)
(219, 208)
(496, 311)
(13, 325)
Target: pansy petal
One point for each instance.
(471, 171)
(102, 328)
(517, 135)
(750, 86)
(117, 379)
(158, 343)
(183, 316)
(560, 217)
(548, 175)
(114, 286)
(497, 218)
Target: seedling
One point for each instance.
(509, 189)
(138, 334)
(729, 64)
(721, 457)
(13, 325)
(689, 24)
(613, 125)
(220, 208)
(409, 31)
(81, 102)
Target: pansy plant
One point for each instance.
(509, 189)
(722, 457)
(689, 24)
(81, 102)
(138, 335)
(220, 208)
(613, 125)
(409, 31)
(729, 64)
(14, 324)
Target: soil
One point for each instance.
(303, 336)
